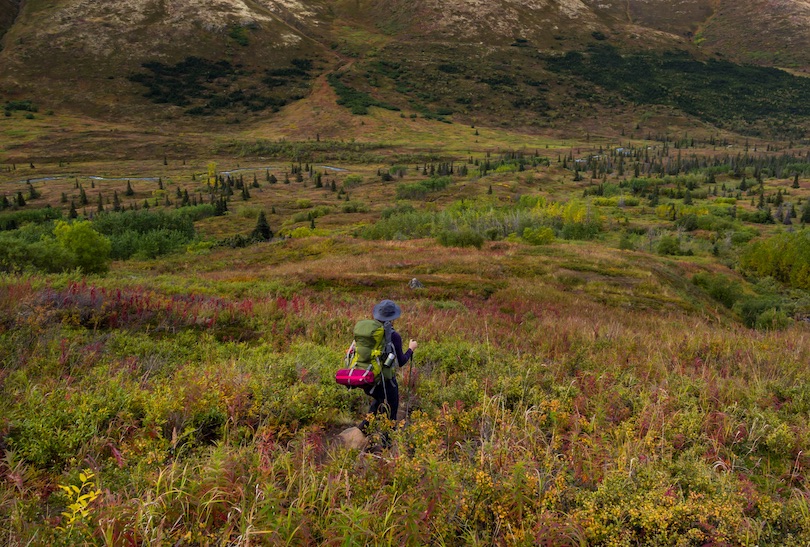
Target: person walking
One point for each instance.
(386, 392)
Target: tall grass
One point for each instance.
(537, 416)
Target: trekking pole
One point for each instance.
(410, 390)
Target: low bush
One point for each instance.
(538, 236)
(465, 237)
(418, 190)
(719, 287)
(785, 257)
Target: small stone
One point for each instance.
(353, 438)
(416, 284)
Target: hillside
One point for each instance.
(612, 340)
(594, 214)
(202, 65)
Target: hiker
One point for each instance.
(387, 391)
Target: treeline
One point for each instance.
(316, 150)
(661, 161)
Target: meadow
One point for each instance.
(613, 345)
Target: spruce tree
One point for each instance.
(805, 219)
(129, 191)
(262, 230)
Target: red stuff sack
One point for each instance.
(354, 377)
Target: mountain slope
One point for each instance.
(201, 63)
(767, 32)
(8, 13)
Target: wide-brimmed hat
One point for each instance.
(386, 310)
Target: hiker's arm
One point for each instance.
(402, 358)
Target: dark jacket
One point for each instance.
(402, 357)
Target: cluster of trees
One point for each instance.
(55, 247)
(719, 92)
(150, 233)
(355, 100)
(23, 105)
(470, 223)
(261, 233)
(19, 200)
(659, 161)
(205, 85)
(419, 189)
(41, 239)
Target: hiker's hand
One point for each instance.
(412, 345)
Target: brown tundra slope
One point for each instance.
(81, 55)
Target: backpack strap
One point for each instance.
(388, 345)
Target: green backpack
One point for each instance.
(372, 348)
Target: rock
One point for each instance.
(416, 284)
(353, 438)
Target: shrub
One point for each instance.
(45, 254)
(669, 245)
(538, 236)
(750, 309)
(785, 257)
(772, 319)
(688, 222)
(90, 249)
(719, 287)
(355, 100)
(580, 230)
(398, 209)
(50, 426)
(351, 181)
(148, 234)
(417, 190)
(12, 221)
(354, 207)
(464, 237)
